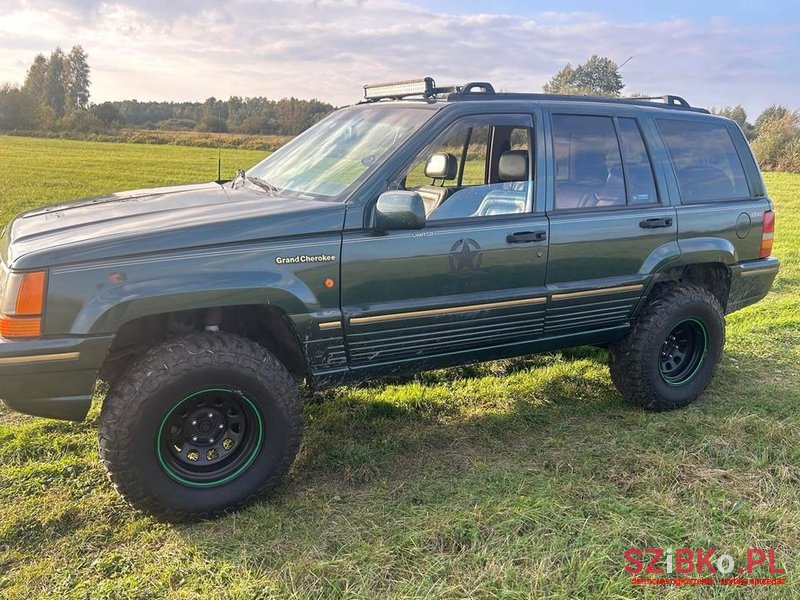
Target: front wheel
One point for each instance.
(672, 351)
(200, 425)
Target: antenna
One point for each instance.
(219, 143)
(625, 63)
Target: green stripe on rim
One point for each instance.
(211, 423)
(683, 352)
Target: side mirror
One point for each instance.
(399, 210)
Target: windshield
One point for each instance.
(328, 158)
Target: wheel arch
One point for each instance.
(266, 324)
(712, 276)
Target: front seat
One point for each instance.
(441, 165)
(512, 170)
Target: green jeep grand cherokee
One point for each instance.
(422, 228)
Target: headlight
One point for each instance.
(21, 303)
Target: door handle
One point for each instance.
(655, 223)
(524, 237)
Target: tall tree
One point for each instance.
(598, 76)
(55, 94)
(76, 79)
(36, 79)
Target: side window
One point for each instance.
(452, 144)
(705, 160)
(474, 172)
(588, 162)
(638, 169)
(474, 169)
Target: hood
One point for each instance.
(160, 219)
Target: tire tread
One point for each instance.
(172, 359)
(627, 363)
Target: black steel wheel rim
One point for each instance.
(683, 352)
(209, 437)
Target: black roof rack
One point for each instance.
(466, 92)
(426, 89)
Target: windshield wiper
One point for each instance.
(264, 185)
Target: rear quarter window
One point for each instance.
(705, 160)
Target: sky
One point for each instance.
(713, 53)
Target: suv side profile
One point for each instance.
(422, 228)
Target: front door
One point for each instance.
(472, 281)
(610, 223)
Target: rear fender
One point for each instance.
(698, 250)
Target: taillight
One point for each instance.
(23, 305)
(767, 234)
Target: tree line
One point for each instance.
(55, 97)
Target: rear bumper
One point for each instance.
(51, 377)
(751, 281)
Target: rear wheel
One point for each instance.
(672, 351)
(200, 425)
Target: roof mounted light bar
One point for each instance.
(404, 89)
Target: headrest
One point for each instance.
(442, 165)
(513, 166)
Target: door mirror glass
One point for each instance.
(399, 209)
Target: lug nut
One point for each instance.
(210, 415)
(194, 421)
(221, 426)
(211, 440)
(194, 438)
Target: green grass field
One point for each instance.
(514, 479)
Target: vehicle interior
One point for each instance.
(473, 172)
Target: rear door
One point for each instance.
(611, 224)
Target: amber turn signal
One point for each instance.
(23, 305)
(30, 298)
(20, 327)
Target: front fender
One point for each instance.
(111, 308)
(99, 297)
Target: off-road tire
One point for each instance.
(635, 361)
(140, 400)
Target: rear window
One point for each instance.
(706, 163)
(639, 171)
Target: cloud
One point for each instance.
(152, 49)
